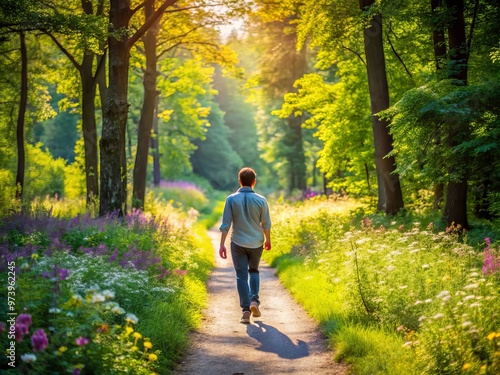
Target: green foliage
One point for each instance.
(183, 194)
(217, 151)
(106, 312)
(44, 175)
(404, 283)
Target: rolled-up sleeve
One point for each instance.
(265, 218)
(227, 217)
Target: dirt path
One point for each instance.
(284, 340)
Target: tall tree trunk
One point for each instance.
(112, 198)
(439, 43)
(155, 146)
(455, 210)
(23, 103)
(113, 154)
(147, 112)
(296, 156)
(89, 129)
(379, 97)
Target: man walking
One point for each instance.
(248, 212)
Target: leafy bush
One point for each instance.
(433, 291)
(97, 290)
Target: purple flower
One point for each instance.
(39, 340)
(81, 341)
(24, 319)
(2, 326)
(45, 274)
(77, 371)
(20, 331)
(488, 241)
(63, 274)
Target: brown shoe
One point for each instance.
(254, 307)
(245, 318)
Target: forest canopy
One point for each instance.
(394, 100)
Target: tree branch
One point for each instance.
(149, 22)
(397, 55)
(356, 53)
(65, 51)
(137, 8)
(471, 31)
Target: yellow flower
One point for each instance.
(152, 357)
(137, 335)
(466, 366)
(491, 336)
(128, 330)
(148, 344)
(483, 369)
(135, 348)
(34, 256)
(62, 349)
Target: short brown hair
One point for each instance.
(247, 176)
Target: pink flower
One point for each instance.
(81, 341)
(24, 319)
(39, 340)
(20, 330)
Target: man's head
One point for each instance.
(246, 177)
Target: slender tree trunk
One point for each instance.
(147, 112)
(439, 43)
(113, 193)
(155, 146)
(296, 157)
(89, 129)
(455, 210)
(23, 103)
(379, 97)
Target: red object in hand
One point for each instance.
(267, 245)
(222, 252)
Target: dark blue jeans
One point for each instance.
(246, 264)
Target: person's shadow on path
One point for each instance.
(273, 341)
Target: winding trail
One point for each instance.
(284, 340)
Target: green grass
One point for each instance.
(378, 286)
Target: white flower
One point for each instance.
(425, 266)
(422, 318)
(466, 298)
(28, 358)
(54, 310)
(437, 316)
(98, 297)
(403, 287)
(131, 318)
(408, 343)
(390, 268)
(117, 310)
(474, 274)
(443, 294)
(418, 302)
(471, 286)
(108, 294)
(446, 298)
(428, 300)
(477, 304)
(466, 324)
